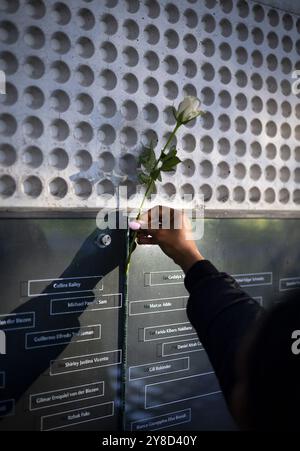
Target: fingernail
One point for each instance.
(133, 225)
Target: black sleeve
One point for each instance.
(222, 314)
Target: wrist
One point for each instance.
(188, 259)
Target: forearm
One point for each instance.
(222, 315)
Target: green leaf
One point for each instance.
(148, 158)
(151, 189)
(155, 174)
(144, 178)
(159, 177)
(144, 154)
(170, 164)
(174, 111)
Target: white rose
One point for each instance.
(188, 109)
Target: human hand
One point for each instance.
(172, 231)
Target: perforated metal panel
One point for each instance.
(89, 82)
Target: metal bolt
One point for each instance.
(103, 240)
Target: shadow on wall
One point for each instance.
(19, 238)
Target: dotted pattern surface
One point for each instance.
(89, 82)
